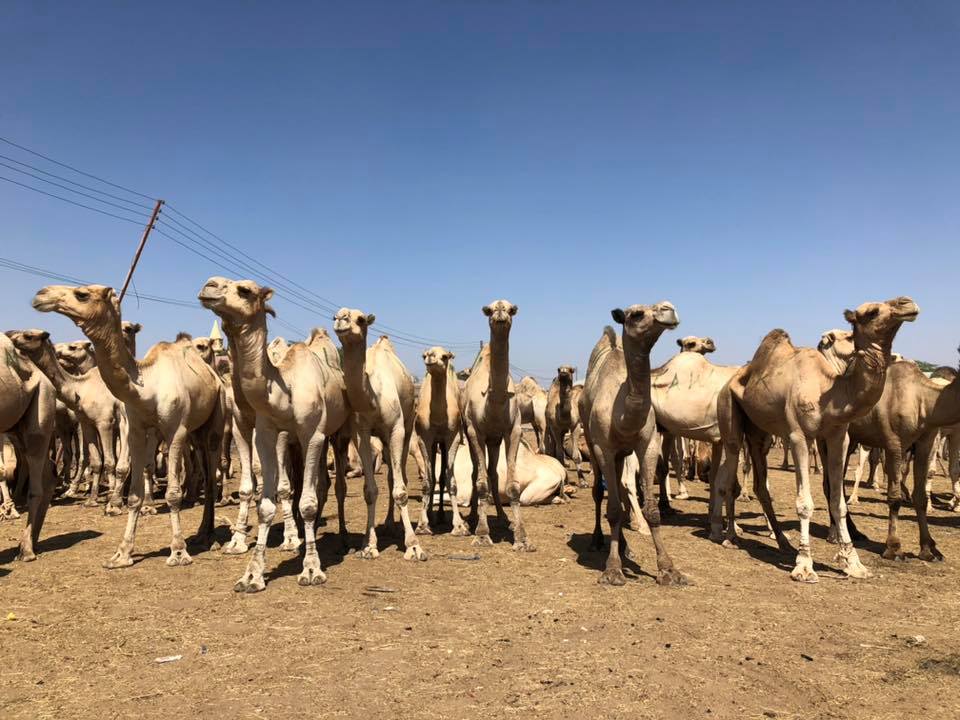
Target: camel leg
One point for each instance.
(34, 446)
(243, 436)
(314, 452)
(174, 497)
(493, 473)
(862, 456)
(613, 570)
(209, 442)
(577, 457)
(921, 465)
(291, 536)
(429, 483)
(953, 466)
(891, 467)
(667, 574)
(481, 493)
(758, 445)
(370, 492)
(399, 442)
(266, 438)
(663, 472)
(104, 434)
(637, 521)
(677, 457)
(460, 528)
(520, 541)
(137, 443)
(389, 521)
(803, 570)
(835, 447)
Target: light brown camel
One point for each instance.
(491, 417)
(171, 391)
(300, 396)
(618, 419)
(532, 401)
(563, 416)
(380, 390)
(438, 423)
(948, 446)
(27, 406)
(909, 413)
(694, 344)
(798, 394)
(76, 357)
(88, 396)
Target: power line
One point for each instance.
(70, 167)
(72, 202)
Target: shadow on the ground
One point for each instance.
(51, 544)
(596, 560)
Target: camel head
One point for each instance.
(437, 360)
(222, 366)
(351, 325)
(204, 346)
(29, 342)
(645, 323)
(500, 314)
(236, 302)
(875, 324)
(565, 376)
(94, 308)
(837, 348)
(277, 350)
(130, 330)
(692, 343)
(72, 355)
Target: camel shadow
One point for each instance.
(51, 544)
(329, 548)
(596, 560)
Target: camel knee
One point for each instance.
(173, 496)
(651, 515)
(513, 492)
(804, 509)
(266, 510)
(400, 495)
(369, 495)
(308, 508)
(483, 489)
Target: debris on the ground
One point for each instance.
(379, 589)
(463, 556)
(11, 617)
(915, 640)
(168, 659)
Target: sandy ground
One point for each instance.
(511, 634)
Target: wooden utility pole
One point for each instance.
(143, 241)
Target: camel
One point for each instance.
(909, 414)
(27, 406)
(76, 357)
(540, 476)
(171, 391)
(797, 393)
(380, 391)
(88, 396)
(562, 417)
(532, 401)
(129, 330)
(618, 419)
(694, 344)
(491, 416)
(301, 396)
(8, 474)
(438, 423)
(948, 444)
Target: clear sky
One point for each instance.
(759, 164)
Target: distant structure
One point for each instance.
(216, 339)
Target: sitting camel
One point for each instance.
(171, 391)
(532, 401)
(618, 419)
(438, 424)
(301, 396)
(380, 391)
(563, 417)
(797, 393)
(27, 406)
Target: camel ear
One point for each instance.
(269, 310)
(826, 340)
(618, 316)
(266, 293)
(370, 319)
(513, 310)
(88, 346)
(450, 356)
(424, 356)
(487, 310)
(44, 336)
(680, 342)
(136, 327)
(11, 333)
(850, 316)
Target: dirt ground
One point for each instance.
(511, 634)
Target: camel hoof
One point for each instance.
(179, 558)
(24, 556)
(415, 552)
(236, 546)
(250, 583)
(311, 576)
(90, 504)
(119, 560)
(738, 530)
(482, 540)
(930, 554)
(612, 576)
(116, 510)
(672, 577)
(524, 546)
(460, 531)
(147, 510)
(423, 529)
(893, 553)
(854, 500)
(832, 535)
(290, 545)
(583, 484)
(729, 543)
(682, 496)
(804, 575)
(369, 553)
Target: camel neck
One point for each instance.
(63, 382)
(252, 371)
(637, 361)
(438, 395)
(866, 375)
(499, 362)
(359, 390)
(117, 366)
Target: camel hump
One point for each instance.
(154, 353)
(607, 343)
(775, 342)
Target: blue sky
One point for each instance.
(758, 164)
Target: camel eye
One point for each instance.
(81, 295)
(244, 291)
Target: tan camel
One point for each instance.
(491, 416)
(130, 330)
(562, 417)
(694, 344)
(532, 401)
(27, 406)
(618, 419)
(171, 391)
(909, 414)
(438, 423)
(948, 445)
(88, 396)
(76, 357)
(797, 393)
(301, 396)
(380, 390)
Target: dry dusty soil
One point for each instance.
(507, 635)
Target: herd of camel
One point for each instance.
(289, 408)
